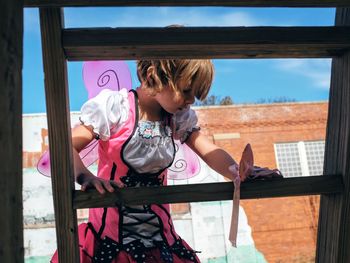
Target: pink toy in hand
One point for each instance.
(247, 171)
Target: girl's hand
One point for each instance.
(88, 181)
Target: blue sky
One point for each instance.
(246, 81)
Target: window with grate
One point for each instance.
(315, 155)
(300, 158)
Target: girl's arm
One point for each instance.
(218, 159)
(81, 137)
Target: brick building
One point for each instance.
(287, 135)
(284, 229)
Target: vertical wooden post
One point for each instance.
(58, 114)
(11, 54)
(333, 244)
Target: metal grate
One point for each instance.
(300, 158)
(288, 159)
(315, 156)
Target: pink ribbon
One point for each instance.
(235, 210)
(247, 171)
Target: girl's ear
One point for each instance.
(150, 76)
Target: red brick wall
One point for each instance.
(284, 229)
(30, 159)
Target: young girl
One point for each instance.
(136, 130)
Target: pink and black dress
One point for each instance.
(137, 153)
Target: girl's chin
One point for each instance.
(170, 111)
(173, 111)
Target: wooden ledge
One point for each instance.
(248, 3)
(205, 42)
(311, 185)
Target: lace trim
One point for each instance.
(133, 179)
(151, 129)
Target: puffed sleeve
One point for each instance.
(106, 112)
(185, 123)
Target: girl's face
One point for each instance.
(173, 101)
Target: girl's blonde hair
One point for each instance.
(157, 74)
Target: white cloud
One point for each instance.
(159, 17)
(317, 70)
(240, 19)
(187, 17)
(224, 66)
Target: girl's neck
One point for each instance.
(149, 108)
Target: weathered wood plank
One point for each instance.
(210, 192)
(205, 42)
(333, 244)
(257, 3)
(11, 45)
(56, 89)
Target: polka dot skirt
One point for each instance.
(108, 250)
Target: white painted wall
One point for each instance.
(32, 125)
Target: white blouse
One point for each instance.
(105, 112)
(151, 147)
(109, 110)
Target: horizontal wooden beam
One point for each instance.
(312, 185)
(205, 42)
(256, 3)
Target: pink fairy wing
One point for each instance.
(99, 75)
(43, 165)
(89, 155)
(186, 163)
